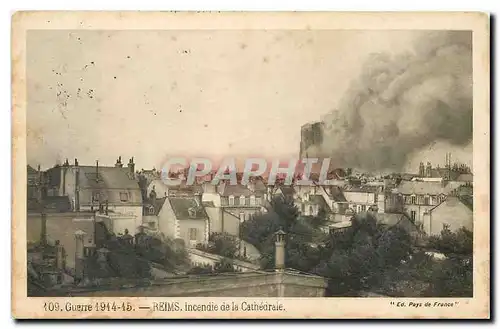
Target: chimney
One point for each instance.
(77, 187)
(76, 162)
(43, 231)
(119, 163)
(279, 259)
(131, 165)
(59, 256)
(97, 170)
(79, 255)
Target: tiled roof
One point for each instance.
(236, 190)
(431, 188)
(182, 205)
(108, 181)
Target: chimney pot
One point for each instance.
(280, 250)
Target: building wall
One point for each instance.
(185, 225)
(360, 197)
(251, 284)
(62, 226)
(452, 213)
(166, 221)
(419, 210)
(212, 197)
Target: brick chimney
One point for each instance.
(279, 259)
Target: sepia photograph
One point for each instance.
(323, 163)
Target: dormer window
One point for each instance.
(242, 200)
(231, 200)
(151, 210)
(252, 200)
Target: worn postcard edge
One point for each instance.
(467, 308)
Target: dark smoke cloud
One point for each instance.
(401, 104)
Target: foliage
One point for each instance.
(221, 244)
(452, 243)
(367, 256)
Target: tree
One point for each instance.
(361, 257)
(453, 277)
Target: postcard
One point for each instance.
(242, 165)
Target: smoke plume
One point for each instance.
(402, 104)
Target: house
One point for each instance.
(417, 197)
(240, 200)
(184, 217)
(90, 187)
(360, 198)
(453, 213)
(335, 199)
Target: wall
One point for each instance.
(211, 197)
(360, 197)
(166, 220)
(62, 226)
(250, 284)
(451, 212)
(186, 224)
(420, 211)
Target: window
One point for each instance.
(193, 234)
(231, 200)
(413, 216)
(252, 200)
(223, 201)
(427, 200)
(258, 201)
(151, 210)
(375, 197)
(242, 216)
(242, 200)
(363, 208)
(123, 196)
(413, 199)
(236, 201)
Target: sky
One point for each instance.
(97, 95)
